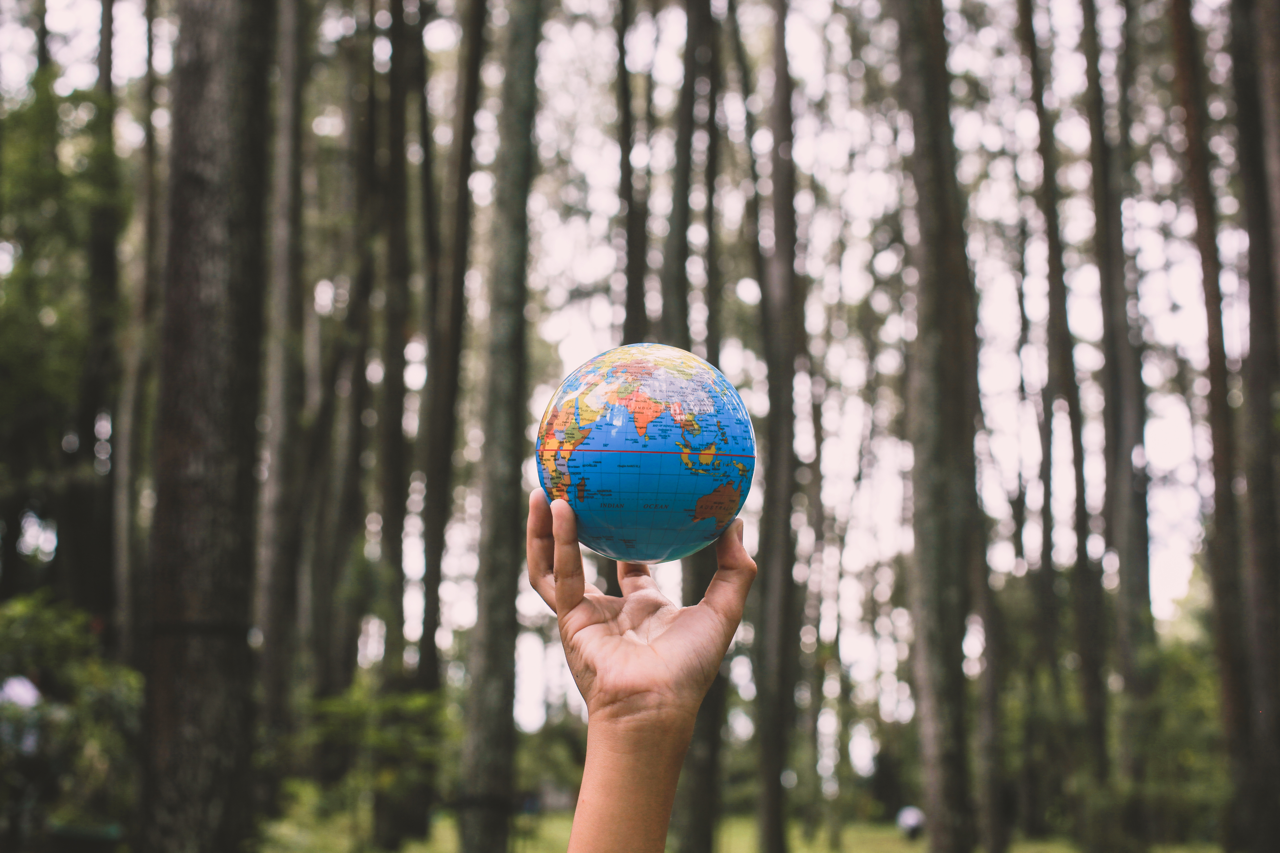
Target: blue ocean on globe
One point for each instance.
(652, 447)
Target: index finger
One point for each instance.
(570, 583)
(540, 548)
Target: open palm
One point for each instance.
(640, 653)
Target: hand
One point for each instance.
(643, 665)
(639, 655)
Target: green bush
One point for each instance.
(67, 760)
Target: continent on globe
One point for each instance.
(654, 449)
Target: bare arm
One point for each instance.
(643, 665)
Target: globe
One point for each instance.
(652, 447)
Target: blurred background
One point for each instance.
(286, 285)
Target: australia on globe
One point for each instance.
(652, 447)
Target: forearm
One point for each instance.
(628, 784)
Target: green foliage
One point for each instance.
(549, 762)
(1189, 784)
(44, 201)
(68, 759)
(393, 738)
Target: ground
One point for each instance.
(304, 830)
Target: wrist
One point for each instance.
(656, 732)
(629, 782)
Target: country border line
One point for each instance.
(655, 452)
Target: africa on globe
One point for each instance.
(652, 447)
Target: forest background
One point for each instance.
(285, 287)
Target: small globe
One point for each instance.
(652, 447)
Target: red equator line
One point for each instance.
(656, 452)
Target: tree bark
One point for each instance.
(393, 462)
(431, 252)
(428, 676)
(137, 346)
(489, 748)
(1266, 19)
(1223, 538)
(197, 791)
(280, 543)
(335, 440)
(437, 415)
(85, 553)
(779, 320)
(697, 811)
(1086, 579)
(675, 255)
(397, 815)
(1041, 776)
(635, 323)
(746, 82)
(993, 827)
(1262, 564)
(941, 424)
(1124, 420)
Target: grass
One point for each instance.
(311, 826)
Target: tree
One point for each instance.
(1222, 546)
(86, 551)
(940, 425)
(781, 324)
(393, 468)
(489, 750)
(697, 809)
(1086, 580)
(279, 541)
(198, 703)
(1266, 21)
(396, 815)
(675, 255)
(634, 207)
(336, 512)
(138, 365)
(1124, 421)
(444, 343)
(1262, 382)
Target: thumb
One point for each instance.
(727, 594)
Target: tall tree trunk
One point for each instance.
(1041, 775)
(1124, 420)
(438, 413)
(1087, 585)
(393, 462)
(489, 749)
(1266, 19)
(697, 811)
(428, 677)
(746, 82)
(779, 320)
(941, 422)
(675, 279)
(335, 440)
(129, 566)
(1223, 538)
(635, 321)
(197, 792)
(1262, 566)
(145, 404)
(280, 543)
(993, 828)
(85, 550)
(397, 816)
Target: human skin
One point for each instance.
(643, 665)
